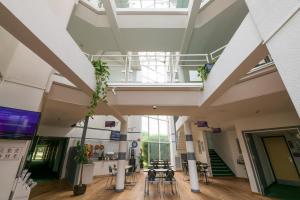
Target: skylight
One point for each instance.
(152, 3)
(155, 66)
(145, 4)
(203, 3)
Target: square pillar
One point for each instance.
(123, 147)
(194, 181)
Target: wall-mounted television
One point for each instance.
(18, 124)
(110, 124)
(115, 135)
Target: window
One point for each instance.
(155, 66)
(152, 3)
(155, 138)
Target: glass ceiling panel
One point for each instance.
(203, 3)
(145, 3)
(94, 3)
(152, 3)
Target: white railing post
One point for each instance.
(126, 68)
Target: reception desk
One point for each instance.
(101, 167)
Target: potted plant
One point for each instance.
(203, 71)
(81, 158)
(100, 94)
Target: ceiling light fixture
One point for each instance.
(154, 107)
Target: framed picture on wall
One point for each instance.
(199, 146)
(202, 146)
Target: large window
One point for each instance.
(155, 138)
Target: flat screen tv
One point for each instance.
(115, 135)
(110, 124)
(18, 124)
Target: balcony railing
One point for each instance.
(150, 67)
(165, 68)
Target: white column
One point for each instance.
(172, 140)
(191, 158)
(123, 146)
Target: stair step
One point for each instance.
(218, 166)
(219, 175)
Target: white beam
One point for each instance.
(34, 24)
(191, 19)
(279, 28)
(110, 8)
(247, 48)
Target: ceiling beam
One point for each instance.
(110, 8)
(26, 20)
(192, 16)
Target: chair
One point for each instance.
(169, 179)
(151, 179)
(166, 165)
(131, 173)
(110, 178)
(204, 171)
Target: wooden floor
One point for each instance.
(218, 189)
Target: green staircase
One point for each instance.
(218, 166)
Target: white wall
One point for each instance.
(63, 9)
(279, 29)
(199, 137)
(9, 168)
(96, 134)
(226, 147)
(7, 49)
(25, 80)
(274, 120)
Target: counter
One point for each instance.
(101, 167)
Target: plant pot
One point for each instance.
(209, 66)
(79, 189)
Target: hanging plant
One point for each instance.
(100, 93)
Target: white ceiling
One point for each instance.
(211, 35)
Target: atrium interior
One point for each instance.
(149, 99)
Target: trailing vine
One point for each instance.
(100, 93)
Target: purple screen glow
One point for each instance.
(18, 124)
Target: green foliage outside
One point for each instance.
(150, 143)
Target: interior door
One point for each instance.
(281, 159)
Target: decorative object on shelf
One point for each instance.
(23, 186)
(81, 158)
(240, 160)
